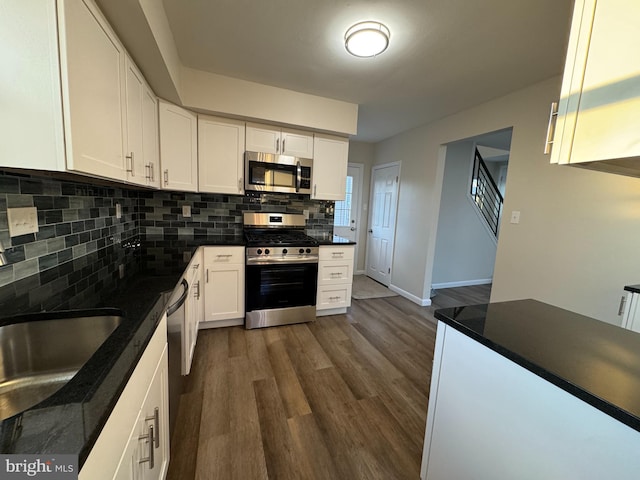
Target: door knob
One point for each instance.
(353, 229)
(370, 231)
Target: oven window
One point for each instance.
(280, 286)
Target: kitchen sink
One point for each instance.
(40, 353)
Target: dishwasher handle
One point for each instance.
(176, 306)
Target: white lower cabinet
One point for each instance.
(335, 279)
(223, 287)
(630, 311)
(194, 308)
(134, 442)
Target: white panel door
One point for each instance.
(178, 148)
(220, 155)
(262, 138)
(93, 100)
(297, 143)
(382, 221)
(150, 138)
(134, 151)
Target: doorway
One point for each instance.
(346, 218)
(382, 221)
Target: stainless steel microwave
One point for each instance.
(267, 172)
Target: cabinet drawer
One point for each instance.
(334, 273)
(333, 297)
(222, 255)
(336, 253)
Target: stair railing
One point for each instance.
(485, 194)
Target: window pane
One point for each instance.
(342, 214)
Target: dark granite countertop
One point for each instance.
(70, 421)
(330, 239)
(633, 288)
(593, 360)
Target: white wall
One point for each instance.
(576, 243)
(465, 248)
(363, 153)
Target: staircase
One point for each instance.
(485, 194)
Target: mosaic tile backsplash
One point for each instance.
(77, 219)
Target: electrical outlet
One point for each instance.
(186, 211)
(22, 221)
(306, 214)
(515, 216)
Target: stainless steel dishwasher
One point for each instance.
(175, 339)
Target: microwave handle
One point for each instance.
(298, 176)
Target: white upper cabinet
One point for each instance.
(178, 148)
(93, 72)
(72, 99)
(150, 138)
(329, 180)
(270, 139)
(598, 125)
(141, 153)
(220, 155)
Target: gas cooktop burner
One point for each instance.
(289, 238)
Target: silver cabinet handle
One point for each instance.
(166, 177)
(283, 140)
(277, 145)
(130, 159)
(156, 421)
(337, 254)
(551, 127)
(623, 300)
(196, 287)
(149, 438)
(315, 189)
(240, 184)
(153, 172)
(207, 279)
(147, 169)
(224, 255)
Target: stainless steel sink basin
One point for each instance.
(39, 357)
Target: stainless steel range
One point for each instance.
(281, 270)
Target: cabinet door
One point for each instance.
(297, 143)
(224, 292)
(220, 155)
(262, 138)
(601, 86)
(155, 413)
(92, 78)
(331, 155)
(178, 148)
(134, 151)
(150, 140)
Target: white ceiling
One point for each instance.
(444, 56)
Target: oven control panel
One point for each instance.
(275, 254)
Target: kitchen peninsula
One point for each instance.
(526, 390)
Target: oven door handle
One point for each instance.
(298, 176)
(280, 261)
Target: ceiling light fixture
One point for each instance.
(367, 39)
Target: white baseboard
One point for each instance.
(463, 283)
(359, 272)
(423, 302)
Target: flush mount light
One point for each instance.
(367, 39)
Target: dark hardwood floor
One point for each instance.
(344, 397)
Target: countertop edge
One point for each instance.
(604, 406)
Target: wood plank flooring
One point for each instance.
(344, 397)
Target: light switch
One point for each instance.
(22, 220)
(118, 210)
(515, 216)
